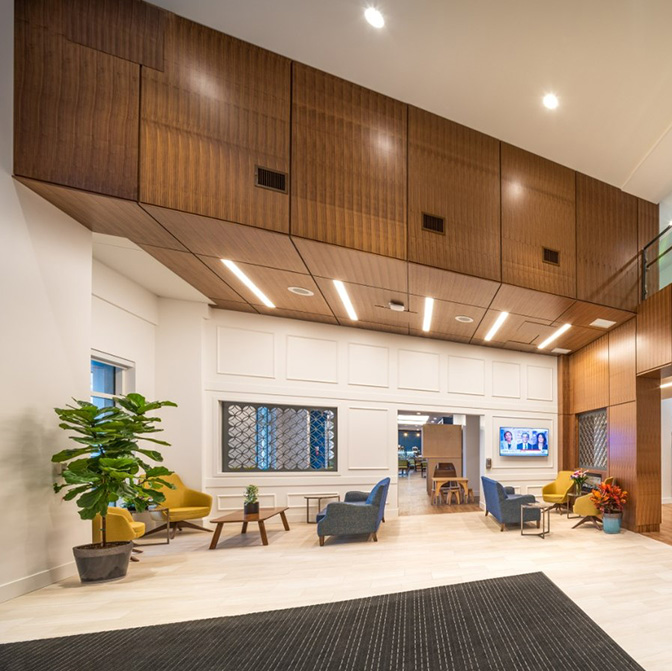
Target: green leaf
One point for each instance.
(73, 492)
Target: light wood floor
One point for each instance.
(623, 582)
(413, 498)
(665, 533)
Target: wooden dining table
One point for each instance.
(437, 483)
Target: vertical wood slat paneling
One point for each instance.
(453, 172)
(130, 29)
(622, 421)
(75, 109)
(606, 244)
(219, 108)
(648, 514)
(589, 370)
(348, 182)
(654, 335)
(538, 210)
(648, 223)
(623, 363)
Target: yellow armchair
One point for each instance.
(120, 526)
(556, 492)
(183, 504)
(585, 507)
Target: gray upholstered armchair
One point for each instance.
(504, 505)
(360, 513)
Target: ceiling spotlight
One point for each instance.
(300, 291)
(429, 310)
(463, 319)
(495, 327)
(247, 282)
(551, 101)
(345, 299)
(555, 336)
(374, 17)
(396, 306)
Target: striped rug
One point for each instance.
(521, 622)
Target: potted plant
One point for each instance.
(610, 500)
(251, 501)
(109, 465)
(579, 476)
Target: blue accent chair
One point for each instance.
(360, 513)
(504, 504)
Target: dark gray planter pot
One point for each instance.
(97, 564)
(251, 508)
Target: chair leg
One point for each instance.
(161, 527)
(501, 527)
(137, 550)
(134, 558)
(191, 525)
(591, 520)
(321, 541)
(375, 537)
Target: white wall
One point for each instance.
(368, 377)
(45, 304)
(666, 449)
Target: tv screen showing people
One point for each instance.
(519, 442)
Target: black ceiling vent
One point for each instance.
(432, 223)
(270, 179)
(551, 256)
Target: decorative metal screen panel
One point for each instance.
(593, 440)
(261, 437)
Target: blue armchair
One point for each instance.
(360, 513)
(504, 505)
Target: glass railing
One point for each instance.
(656, 263)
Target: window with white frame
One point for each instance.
(110, 377)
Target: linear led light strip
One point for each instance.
(666, 385)
(429, 310)
(555, 336)
(248, 282)
(345, 299)
(496, 326)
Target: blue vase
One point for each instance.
(611, 523)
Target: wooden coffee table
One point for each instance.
(259, 518)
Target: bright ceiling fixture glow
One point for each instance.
(374, 17)
(412, 419)
(666, 385)
(555, 336)
(496, 326)
(429, 309)
(345, 299)
(248, 282)
(551, 101)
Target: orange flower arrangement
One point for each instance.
(609, 499)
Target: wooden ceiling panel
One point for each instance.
(434, 335)
(225, 240)
(232, 305)
(448, 286)
(350, 265)
(515, 329)
(583, 314)
(297, 314)
(274, 283)
(370, 304)
(384, 328)
(104, 214)
(194, 271)
(443, 318)
(536, 304)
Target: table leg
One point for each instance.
(285, 523)
(244, 529)
(262, 531)
(215, 537)
(307, 511)
(167, 527)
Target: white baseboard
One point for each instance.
(30, 583)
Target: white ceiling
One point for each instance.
(487, 64)
(129, 260)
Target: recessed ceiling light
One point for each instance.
(396, 306)
(463, 319)
(560, 350)
(247, 282)
(495, 327)
(555, 336)
(345, 299)
(603, 323)
(551, 101)
(374, 17)
(429, 310)
(300, 291)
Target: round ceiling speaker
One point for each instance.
(300, 291)
(463, 319)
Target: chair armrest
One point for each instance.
(548, 489)
(354, 496)
(196, 498)
(510, 490)
(514, 502)
(344, 518)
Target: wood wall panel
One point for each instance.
(623, 363)
(648, 514)
(453, 172)
(348, 164)
(219, 108)
(130, 29)
(648, 224)
(589, 371)
(538, 210)
(654, 331)
(75, 109)
(606, 244)
(622, 428)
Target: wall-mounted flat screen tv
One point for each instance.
(519, 442)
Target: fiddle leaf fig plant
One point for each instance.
(108, 464)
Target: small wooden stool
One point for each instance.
(450, 493)
(470, 496)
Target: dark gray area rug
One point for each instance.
(519, 622)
